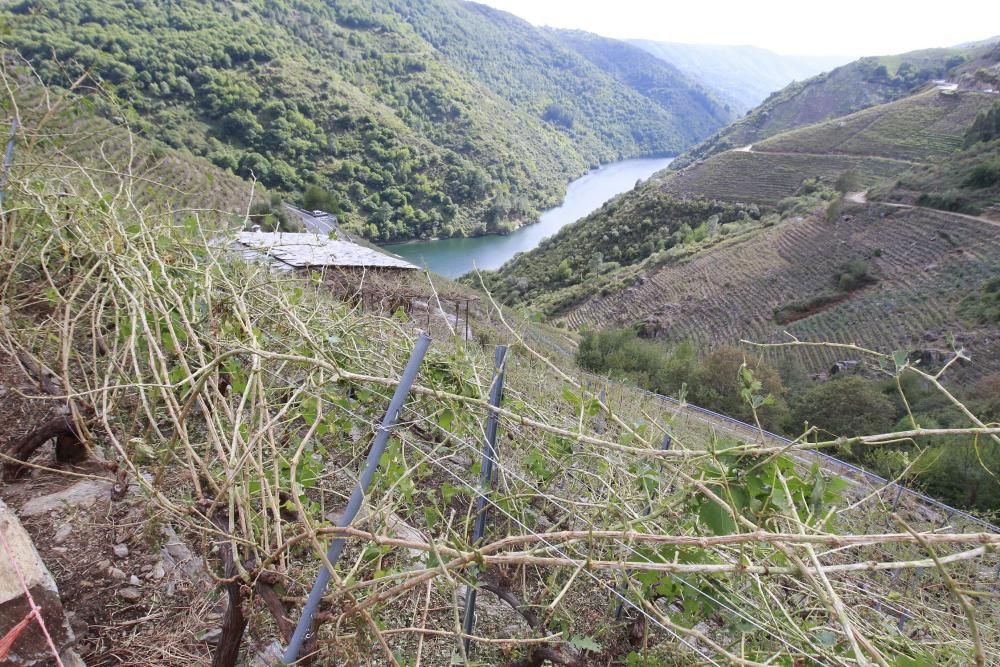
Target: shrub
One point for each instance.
(948, 201)
(798, 310)
(317, 198)
(847, 406)
(986, 398)
(984, 175)
(717, 386)
(963, 474)
(854, 275)
(620, 352)
(983, 305)
(849, 181)
(271, 217)
(833, 209)
(986, 127)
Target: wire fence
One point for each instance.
(714, 418)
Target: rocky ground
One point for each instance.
(132, 590)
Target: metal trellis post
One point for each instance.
(357, 496)
(8, 157)
(485, 484)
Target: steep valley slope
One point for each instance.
(924, 261)
(858, 85)
(425, 119)
(879, 142)
(758, 244)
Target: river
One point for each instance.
(456, 256)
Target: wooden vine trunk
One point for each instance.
(69, 447)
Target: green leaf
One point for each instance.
(919, 661)
(834, 486)
(717, 518)
(445, 419)
(899, 357)
(583, 643)
(431, 516)
(448, 492)
(571, 397)
(826, 637)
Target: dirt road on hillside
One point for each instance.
(862, 198)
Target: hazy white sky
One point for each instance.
(823, 27)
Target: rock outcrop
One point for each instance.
(18, 555)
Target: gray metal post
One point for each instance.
(357, 496)
(8, 157)
(895, 504)
(485, 484)
(622, 587)
(899, 494)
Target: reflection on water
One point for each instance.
(453, 257)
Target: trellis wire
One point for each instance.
(555, 549)
(667, 440)
(626, 546)
(832, 460)
(8, 156)
(357, 496)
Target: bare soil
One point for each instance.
(154, 629)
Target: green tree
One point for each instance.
(272, 217)
(316, 198)
(846, 406)
(986, 398)
(848, 181)
(717, 386)
(565, 271)
(986, 127)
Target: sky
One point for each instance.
(803, 27)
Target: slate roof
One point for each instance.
(300, 250)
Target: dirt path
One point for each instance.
(862, 198)
(860, 156)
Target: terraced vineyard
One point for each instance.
(925, 261)
(845, 90)
(767, 178)
(920, 128)
(879, 143)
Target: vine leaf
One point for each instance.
(717, 518)
(583, 643)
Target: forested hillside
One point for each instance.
(642, 71)
(89, 153)
(858, 85)
(742, 75)
(421, 119)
